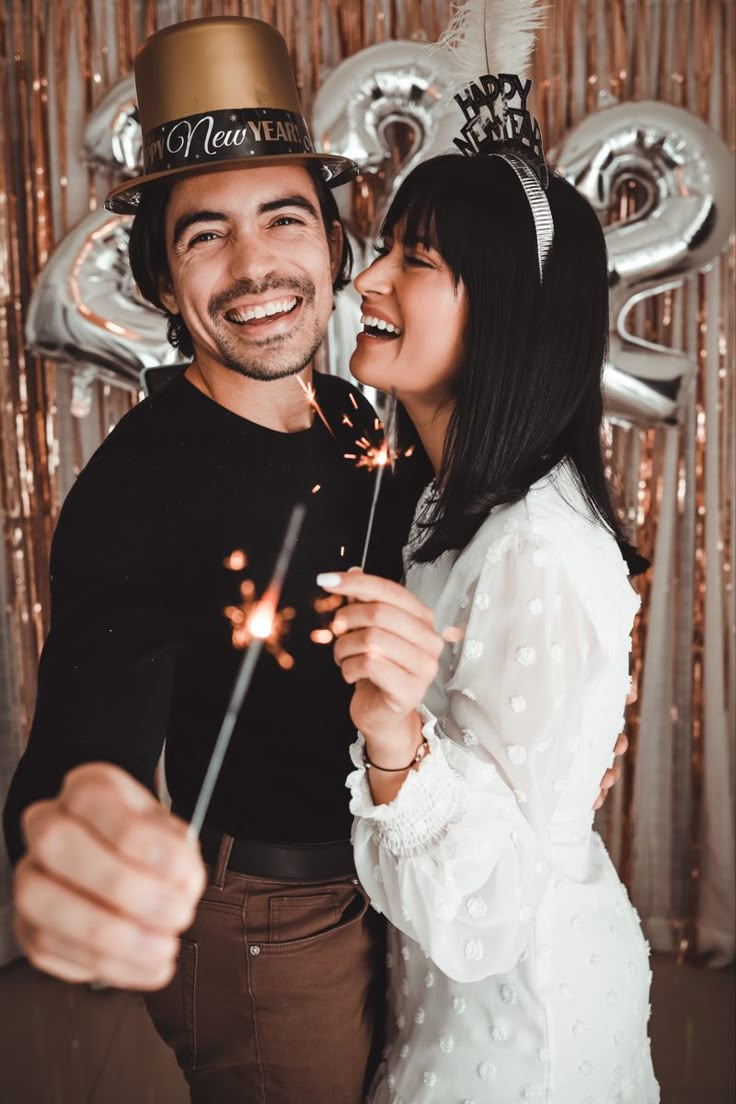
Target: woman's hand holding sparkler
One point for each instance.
(108, 882)
(387, 647)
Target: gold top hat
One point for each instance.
(218, 94)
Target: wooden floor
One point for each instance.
(693, 1029)
(64, 1044)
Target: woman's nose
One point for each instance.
(376, 278)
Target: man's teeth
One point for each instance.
(276, 306)
(367, 320)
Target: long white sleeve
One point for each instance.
(459, 860)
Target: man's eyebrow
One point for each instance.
(191, 217)
(288, 201)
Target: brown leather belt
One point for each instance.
(306, 862)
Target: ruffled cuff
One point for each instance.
(433, 797)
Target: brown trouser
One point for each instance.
(279, 992)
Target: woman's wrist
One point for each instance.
(396, 748)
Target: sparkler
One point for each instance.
(311, 396)
(259, 629)
(380, 458)
(245, 617)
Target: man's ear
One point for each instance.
(336, 240)
(166, 295)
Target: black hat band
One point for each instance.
(224, 135)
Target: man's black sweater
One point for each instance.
(140, 650)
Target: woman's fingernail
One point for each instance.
(328, 579)
(352, 570)
(337, 626)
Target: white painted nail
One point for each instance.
(328, 579)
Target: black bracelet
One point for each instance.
(421, 751)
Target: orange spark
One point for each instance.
(311, 396)
(236, 561)
(256, 619)
(374, 457)
(325, 609)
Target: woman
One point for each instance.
(518, 970)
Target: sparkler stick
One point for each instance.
(385, 457)
(260, 625)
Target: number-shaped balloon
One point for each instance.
(85, 308)
(687, 173)
(383, 107)
(112, 137)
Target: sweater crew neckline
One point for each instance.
(279, 438)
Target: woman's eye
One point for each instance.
(417, 262)
(380, 250)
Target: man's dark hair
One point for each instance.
(147, 250)
(528, 393)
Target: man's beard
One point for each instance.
(267, 364)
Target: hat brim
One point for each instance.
(125, 198)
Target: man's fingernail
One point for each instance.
(328, 579)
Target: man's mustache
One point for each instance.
(224, 299)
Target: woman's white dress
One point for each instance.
(517, 967)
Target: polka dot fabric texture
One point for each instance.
(517, 967)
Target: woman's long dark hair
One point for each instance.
(528, 394)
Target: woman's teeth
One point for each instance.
(268, 310)
(386, 329)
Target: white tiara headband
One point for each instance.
(490, 43)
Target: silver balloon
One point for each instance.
(687, 176)
(112, 138)
(87, 309)
(383, 107)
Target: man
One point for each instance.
(278, 988)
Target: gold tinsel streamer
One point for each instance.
(58, 58)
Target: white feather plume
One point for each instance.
(490, 36)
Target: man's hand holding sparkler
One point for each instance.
(107, 883)
(387, 647)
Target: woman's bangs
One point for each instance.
(425, 212)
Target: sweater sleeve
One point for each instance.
(107, 667)
(460, 859)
